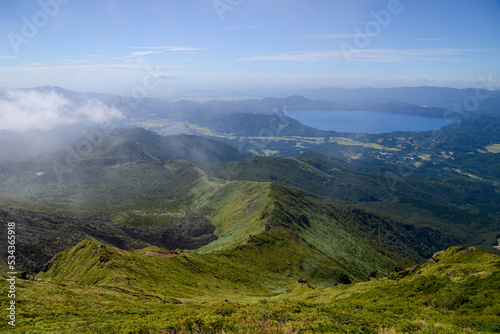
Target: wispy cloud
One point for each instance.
(8, 57)
(144, 53)
(84, 68)
(243, 27)
(363, 55)
(339, 36)
(428, 39)
(232, 28)
(169, 48)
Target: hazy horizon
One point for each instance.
(170, 46)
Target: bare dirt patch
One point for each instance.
(160, 254)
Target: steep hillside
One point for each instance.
(265, 264)
(95, 288)
(246, 211)
(46, 234)
(138, 144)
(324, 177)
(275, 257)
(99, 184)
(224, 217)
(456, 291)
(460, 207)
(153, 272)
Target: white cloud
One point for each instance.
(143, 53)
(22, 110)
(340, 36)
(168, 48)
(243, 27)
(97, 112)
(363, 55)
(428, 39)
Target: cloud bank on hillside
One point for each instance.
(22, 110)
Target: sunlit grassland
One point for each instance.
(320, 140)
(236, 212)
(457, 292)
(494, 148)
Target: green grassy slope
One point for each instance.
(250, 214)
(319, 227)
(152, 271)
(457, 291)
(236, 209)
(94, 185)
(98, 289)
(263, 267)
(241, 210)
(12, 201)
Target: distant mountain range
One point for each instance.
(483, 100)
(424, 101)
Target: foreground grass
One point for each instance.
(456, 292)
(72, 308)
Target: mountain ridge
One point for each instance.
(445, 295)
(138, 144)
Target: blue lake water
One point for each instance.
(366, 121)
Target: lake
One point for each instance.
(366, 121)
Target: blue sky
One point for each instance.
(112, 45)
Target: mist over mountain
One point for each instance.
(42, 120)
(23, 145)
(45, 109)
(143, 145)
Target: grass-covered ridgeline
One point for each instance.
(241, 211)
